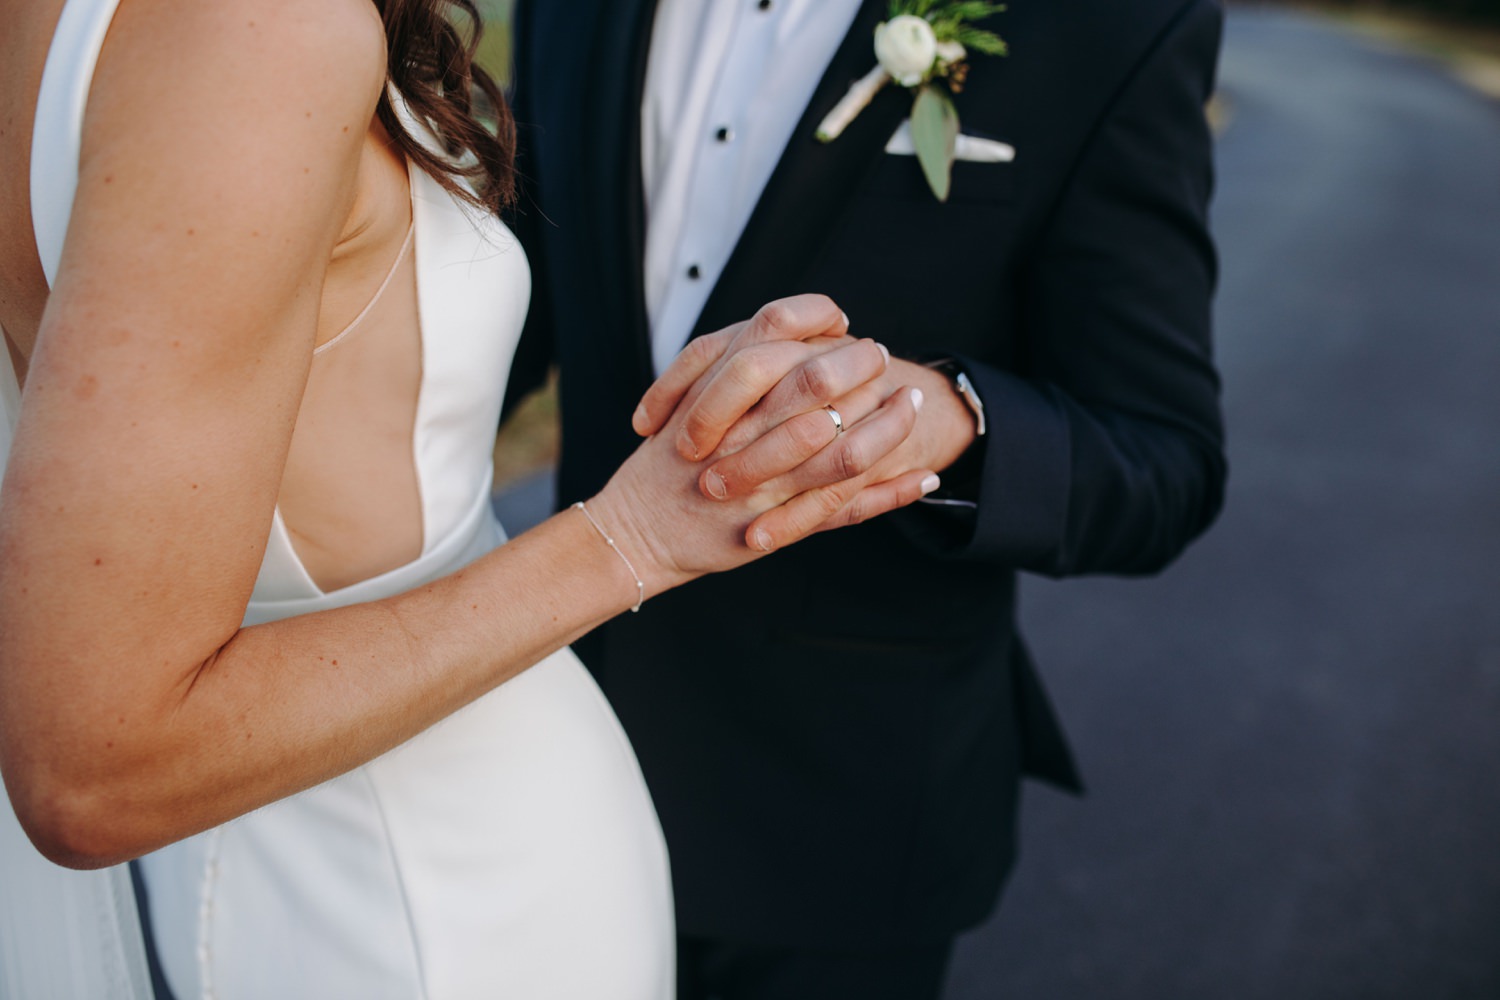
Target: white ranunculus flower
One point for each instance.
(907, 48)
(949, 53)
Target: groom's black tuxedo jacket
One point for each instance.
(834, 735)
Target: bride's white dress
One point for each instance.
(510, 851)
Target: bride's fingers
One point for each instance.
(787, 445)
(825, 485)
(700, 355)
(870, 501)
(817, 372)
(884, 497)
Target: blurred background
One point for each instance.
(1292, 738)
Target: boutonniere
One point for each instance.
(924, 47)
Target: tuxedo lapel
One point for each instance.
(810, 187)
(617, 208)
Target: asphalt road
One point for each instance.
(1292, 739)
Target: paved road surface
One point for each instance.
(1293, 738)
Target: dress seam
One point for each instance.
(400, 879)
(206, 891)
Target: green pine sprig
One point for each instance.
(952, 21)
(978, 40)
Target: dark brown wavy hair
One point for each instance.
(430, 48)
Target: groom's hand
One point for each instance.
(764, 389)
(755, 451)
(757, 399)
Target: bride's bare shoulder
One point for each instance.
(337, 28)
(330, 51)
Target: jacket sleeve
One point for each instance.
(535, 353)
(1105, 449)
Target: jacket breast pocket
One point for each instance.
(899, 176)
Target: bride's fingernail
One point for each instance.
(847, 324)
(886, 351)
(638, 419)
(916, 400)
(930, 485)
(714, 484)
(760, 539)
(685, 446)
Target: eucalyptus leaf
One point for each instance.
(934, 132)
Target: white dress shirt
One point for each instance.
(726, 84)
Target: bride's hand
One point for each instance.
(808, 475)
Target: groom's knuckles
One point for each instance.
(808, 449)
(852, 498)
(809, 433)
(798, 317)
(784, 319)
(779, 451)
(829, 375)
(774, 321)
(740, 383)
(873, 439)
(852, 457)
(816, 380)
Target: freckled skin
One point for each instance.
(86, 388)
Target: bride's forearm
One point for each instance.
(283, 706)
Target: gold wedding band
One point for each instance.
(838, 421)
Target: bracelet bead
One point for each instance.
(640, 587)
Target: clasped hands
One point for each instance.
(742, 456)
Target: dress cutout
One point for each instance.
(351, 496)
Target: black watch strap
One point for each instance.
(961, 479)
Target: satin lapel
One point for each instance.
(618, 202)
(810, 187)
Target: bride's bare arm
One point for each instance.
(155, 424)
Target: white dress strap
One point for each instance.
(62, 933)
(57, 138)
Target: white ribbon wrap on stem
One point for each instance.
(859, 97)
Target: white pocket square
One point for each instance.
(969, 147)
